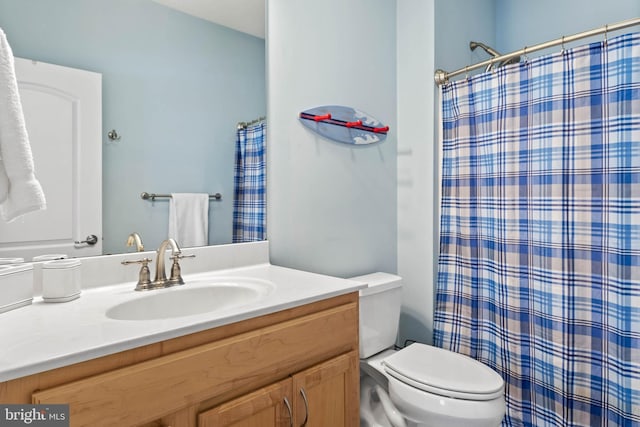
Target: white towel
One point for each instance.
(20, 191)
(189, 219)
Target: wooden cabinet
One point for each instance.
(328, 394)
(251, 365)
(323, 395)
(267, 407)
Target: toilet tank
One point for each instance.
(380, 304)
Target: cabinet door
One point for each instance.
(267, 407)
(328, 394)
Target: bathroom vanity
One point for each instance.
(289, 357)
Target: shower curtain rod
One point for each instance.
(442, 77)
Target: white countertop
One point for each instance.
(45, 336)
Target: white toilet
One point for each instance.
(420, 385)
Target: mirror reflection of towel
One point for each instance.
(189, 219)
(20, 191)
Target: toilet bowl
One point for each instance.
(419, 385)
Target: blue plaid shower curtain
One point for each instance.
(249, 205)
(539, 267)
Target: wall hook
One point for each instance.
(322, 117)
(383, 129)
(113, 135)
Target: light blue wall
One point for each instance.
(509, 25)
(417, 187)
(454, 23)
(331, 206)
(524, 22)
(458, 22)
(174, 87)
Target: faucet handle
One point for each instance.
(176, 271)
(144, 277)
(179, 256)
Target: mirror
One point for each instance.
(174, 87)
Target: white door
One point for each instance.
(63, 115)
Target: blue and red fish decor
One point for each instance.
(344, 124)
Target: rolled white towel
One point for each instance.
(20, 191)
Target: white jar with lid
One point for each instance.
(37, 269)
(61, 280)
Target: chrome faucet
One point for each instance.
(134, 238)
(160, 281)
(161, 276)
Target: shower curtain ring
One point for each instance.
(563, 50)
(606, 29)
(524, 54)
(466, 72)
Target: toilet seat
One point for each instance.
(445, 373)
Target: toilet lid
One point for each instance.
(444, 372)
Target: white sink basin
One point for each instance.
(195, 297)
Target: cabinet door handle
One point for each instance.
(288, 405)
(306, 407)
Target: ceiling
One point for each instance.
(247, 16)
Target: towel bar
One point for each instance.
(152, 196)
